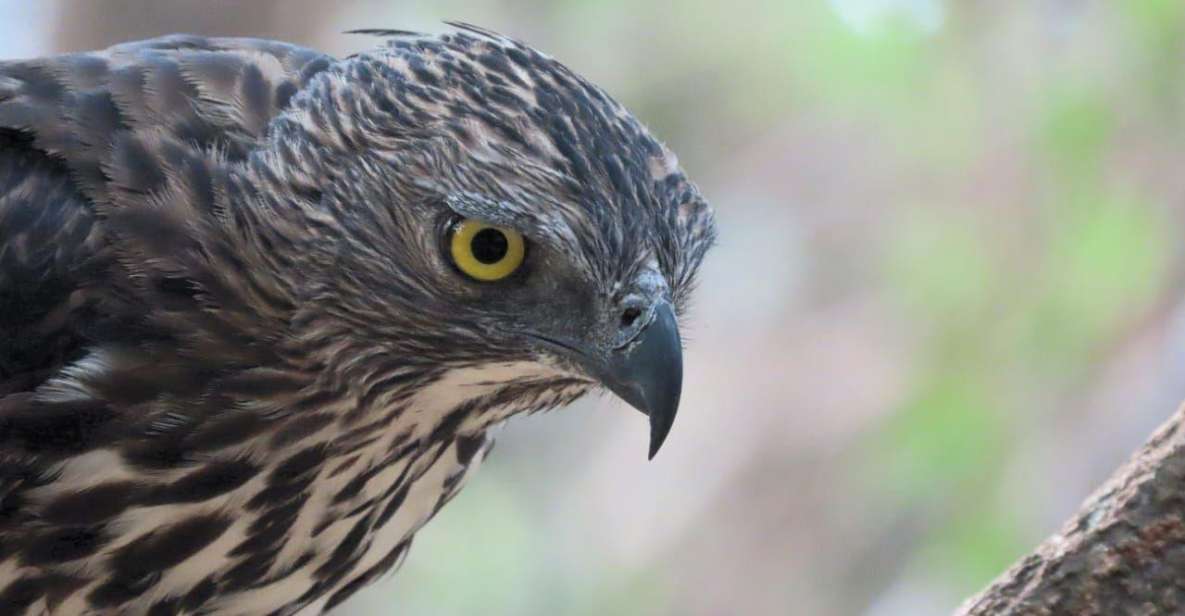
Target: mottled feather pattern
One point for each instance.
(236, 374)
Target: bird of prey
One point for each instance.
(259, 307)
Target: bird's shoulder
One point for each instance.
(120, 117)
(111, 164)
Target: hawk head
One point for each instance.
(478, 206)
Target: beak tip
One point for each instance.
(655, 444)
(649, 377)
(660, 427)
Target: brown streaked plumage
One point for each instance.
(239, 367)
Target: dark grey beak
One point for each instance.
(649, 373)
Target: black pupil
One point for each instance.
(489, 246)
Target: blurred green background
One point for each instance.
(945, 304)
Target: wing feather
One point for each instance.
(142, 129)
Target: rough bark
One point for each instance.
(1122, 553)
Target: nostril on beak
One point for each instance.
(630, 316)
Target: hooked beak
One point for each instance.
(648, 374)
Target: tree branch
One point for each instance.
(1122, 553)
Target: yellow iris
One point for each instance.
(486, 252)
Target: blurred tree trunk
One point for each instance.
(1122, 553)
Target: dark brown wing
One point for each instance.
(129, 128)
(51, 247)
(114, 171)
(110, 165)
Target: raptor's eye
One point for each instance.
(485, 252)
